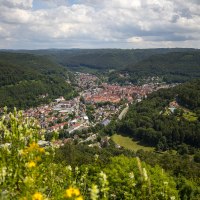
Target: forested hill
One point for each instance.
(167, 119)
(174, 66)
(102, 59)
(28, 80)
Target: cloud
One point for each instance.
(135, 39)
(24, 4)
(99, 23)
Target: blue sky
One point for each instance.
(46, 4)
(36, 24)
(37, 4)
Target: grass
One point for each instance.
(129, 143)
(187, 114)
(190, 116)
(167, 112)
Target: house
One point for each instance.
(105, 122)
(43, 143)
(58, 127)
(172, 109)
(173, 104)
(85, 118)
(74, 128)
(60, 99)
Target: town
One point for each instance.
(97, 103)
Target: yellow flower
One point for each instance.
(76, 192)
(31, 164)
(72, 192)
(41, 150)
(37, 196)
(33, 146)
(79, 198)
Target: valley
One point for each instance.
(96, 103)
(99, 100)
(103, 117)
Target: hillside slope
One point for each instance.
(172, 65)
(176, 66)
(102, 59)
(25, 78)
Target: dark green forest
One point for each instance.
(172, 65)
(28, 80)
(101, 59)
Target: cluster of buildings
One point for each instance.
(60, 114)
(86, 80)
(116, 93)
(104, 113)
(63, 106)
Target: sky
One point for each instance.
(41, 24)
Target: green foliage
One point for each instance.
(27, 80)
(197, 157)
(177, 165)
(101, 59)
(28, 171)
(189, 95)
(132, 179)
(173, 66)
(90, 112)
(183, 168)
(190, 116)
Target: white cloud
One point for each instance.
(99, 23)
(4, 33)
(24, 4)
(15, 16)
(135, 39)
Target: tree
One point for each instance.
(197, 157)
(183, 149)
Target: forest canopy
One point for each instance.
(28, 80)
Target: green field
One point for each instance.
(190, 116)
(187, 114)
(129, 143)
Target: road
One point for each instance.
(78, 103)
(123, 113)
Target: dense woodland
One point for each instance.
(102, 59)
(173, 65)
(28, 80)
